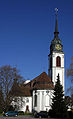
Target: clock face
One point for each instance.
(58, 47)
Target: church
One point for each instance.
(39, 91)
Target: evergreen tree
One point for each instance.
(58, 104)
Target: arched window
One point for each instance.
(58, 61)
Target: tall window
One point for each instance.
(50, 65)
(47, 100)
(58, 61)
(35, 100)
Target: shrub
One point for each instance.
(58, 115)
(1, 111)
(27, 113)
(21, 113)
(70, 115)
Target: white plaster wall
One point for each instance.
(22, 103)
(44, 100)
(56, 70)
(54, 55)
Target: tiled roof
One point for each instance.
(27, 89)
(40, 82)
(16, 90)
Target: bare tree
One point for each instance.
(8, 75)
(70, 76)
(1, 100)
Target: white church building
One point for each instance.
(39, 91)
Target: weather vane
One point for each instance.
(56, 11)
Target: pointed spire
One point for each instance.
(56, 40)
(56, 26)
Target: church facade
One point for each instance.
(39, 91)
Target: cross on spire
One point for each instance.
(56, 11)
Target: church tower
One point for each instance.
(56, 58)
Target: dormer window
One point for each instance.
(58, 61)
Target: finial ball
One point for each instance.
(56, 10)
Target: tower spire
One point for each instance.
(56, 26)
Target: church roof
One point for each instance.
(27, 89)
(42, 82)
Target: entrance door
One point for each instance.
(27, 108)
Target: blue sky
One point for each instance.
(26, 31)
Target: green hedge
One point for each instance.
(20, 113)
(24, 113)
